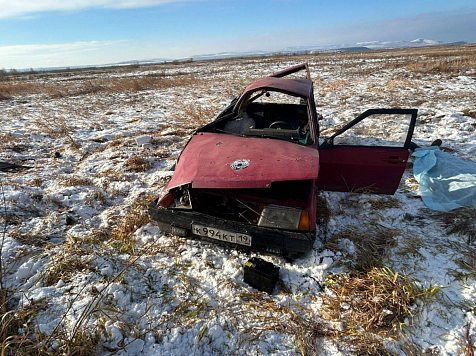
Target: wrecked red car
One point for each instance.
(250, 177)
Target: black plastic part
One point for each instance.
(288, 243)
(413, 146)
(261, 274)
(11, 167)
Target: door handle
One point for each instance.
(393, 159)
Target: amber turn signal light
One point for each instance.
(304, 221)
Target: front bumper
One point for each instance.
(288, 243)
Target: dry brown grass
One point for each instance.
(30, 342)
(323, 212)
(116, 141)
(376, 300)
(18, 333)
(113, 175)
(36, 182)
(96, 197)
(460, 221)
(75, 181)
(371, 306)
(29, 238)
(53, 89)
(7, 141)
(365, 344)
(56, 127)
(411, 184)
(137, 216)
(468, 346)
(84, 343)
(371, 244)
(12, 219)
(328, 132)
(65, 265)
(450, 60)
(12, 341)
(465, 259)
(180, 131)
(470, 112)
(196, 115)
(385, 203)
(137, 164)
(449, 65)
(291, 321)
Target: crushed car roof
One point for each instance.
(276, 82)
(296, 87)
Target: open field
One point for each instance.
(85, 272)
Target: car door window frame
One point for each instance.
(329, 142)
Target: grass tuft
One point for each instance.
(377, 301)
(468, 346)
(371, 245)
(449, 65)
(75, 181)
(64, 266)
(137, 217)
(372, 305)
(460, 221)
(367, 344)
(57, 127)
(323, 212)
(17, 337)
(65, 89)
(289, 320)
(470, 112)
(83, 343)
(198, 115)
(385, 203)
(137, 164)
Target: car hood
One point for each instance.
(212, 160)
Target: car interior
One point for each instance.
(289, 121)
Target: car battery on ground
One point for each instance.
(261, 274)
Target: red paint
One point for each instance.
(291, 70)
(295, 87)
(347, 168)
(205, 162)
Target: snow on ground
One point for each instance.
(80, 252)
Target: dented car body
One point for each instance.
(250, 178)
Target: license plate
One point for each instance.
(222, 235)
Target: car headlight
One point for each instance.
(283, 217)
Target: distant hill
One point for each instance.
(355, 47)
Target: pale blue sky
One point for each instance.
(46, 33)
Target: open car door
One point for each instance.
(351, 161)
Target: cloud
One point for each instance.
(9, 8)
(24, 56)
(44, 49)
